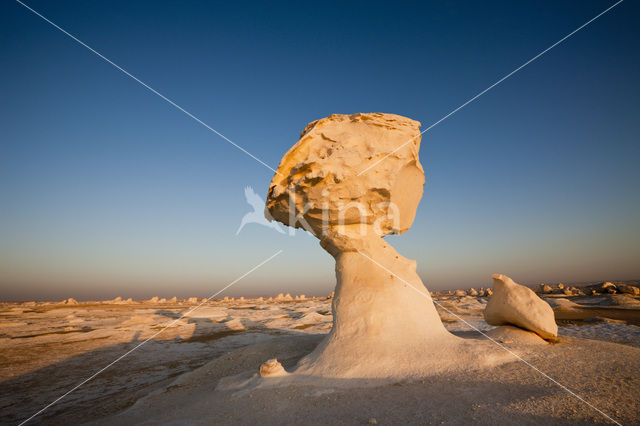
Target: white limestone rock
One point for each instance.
(515, 304)
(272, 368)
(385, 324)
(320, 174)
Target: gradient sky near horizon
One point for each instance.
(107, 190)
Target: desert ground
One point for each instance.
(178, 376)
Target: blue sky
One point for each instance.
(107, 190)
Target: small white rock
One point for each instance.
(272, 368)
(518, 305)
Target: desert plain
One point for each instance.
(48, 348)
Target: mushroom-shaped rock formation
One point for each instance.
(518, 305)
(350, 180)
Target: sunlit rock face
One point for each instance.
(353, 179)
(327, 180)
(518, 305)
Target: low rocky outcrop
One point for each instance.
(628, 289)
(544, 289)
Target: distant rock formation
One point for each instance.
(544, 289)
(515, 304)
(628, 289)
(609, 287)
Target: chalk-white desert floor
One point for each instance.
(48, 348)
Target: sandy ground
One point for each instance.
(47, 349)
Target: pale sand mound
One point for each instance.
(604, 374)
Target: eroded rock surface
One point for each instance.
(515, 304)
(324, 177)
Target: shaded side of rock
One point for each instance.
(510, 335)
